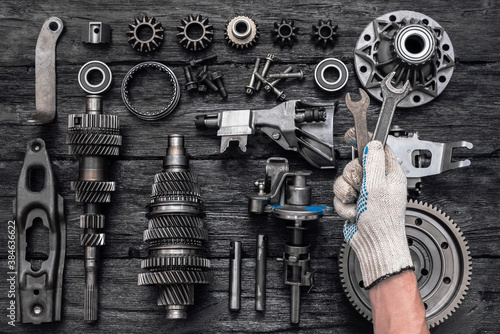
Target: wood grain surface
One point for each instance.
(467, 110)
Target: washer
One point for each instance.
(83, 77)
(323, 83)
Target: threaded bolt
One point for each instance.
(269, 60)
(280, 95)
(190, 82)
(203, 77)
(251, 85)
(194, 62)
(299, 75)
(217, 79)
(267, 88)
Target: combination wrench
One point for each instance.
(358, 110)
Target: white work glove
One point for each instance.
(375, 226)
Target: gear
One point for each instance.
(153, 41)
(195, 33)
(285, 33)
(175, 220)
(92, 239)
(241, 32)
(324, 33)
(177, 176)
(442, 264)
(97, 122)
(411, 44)
(92, 221)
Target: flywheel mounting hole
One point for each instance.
(367, 37)
(392, 18)
(446, 280)
(442, 79)
(418, 221)
(446, 47)
(363, 69)
(416, 99)
(444, 245)
(425, 306)
(424, 272)
(361, 284)
(410, 242)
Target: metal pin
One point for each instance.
(235, 276)
(260, 273)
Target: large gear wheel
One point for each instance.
(441, 258)
(241, 32)
(149, 43)
(285, 32)
(411, 44)
(195, 33)
(324, 33)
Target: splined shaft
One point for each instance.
(175, 234)
(93, 137)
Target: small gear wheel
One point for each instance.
(324, 33)
(285, 32)
(145, 26)
(241, 32)
(195, 33)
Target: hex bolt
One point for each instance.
(299, 75)
(275, 82)
(280, 95)
(251, 85)
(191, 84)
(205, 78)
(194, 62)
(217, 79)
(202, 88)
(269, 60)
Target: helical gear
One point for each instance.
(149, 44)
(188, 39)
(175, 234)
(241, 32)
(441, 258)
(324, 33)
(285, 32)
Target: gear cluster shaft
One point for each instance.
(93, 137)
(175, 234)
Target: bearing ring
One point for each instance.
(323, 83)
(84, 72)
(151, 115)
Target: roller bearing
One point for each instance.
(331, 63)
(89, 68)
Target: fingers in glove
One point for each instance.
(346, 211)
(344, 191)
(353, 174)
(350, 137)
(373, 164)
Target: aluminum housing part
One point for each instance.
(411, 44)
(441, 258)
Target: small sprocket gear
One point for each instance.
(285, 33)
(195, 33)
(150, 43)
(324, 33)
(441, 258)
(241, 32)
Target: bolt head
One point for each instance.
(216, 75)
(202, 75)
(249, 90)
(282, 97)
(202, 88)
(190, 86)
(270, 57)
(267, 88)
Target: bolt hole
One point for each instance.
(424, 272)
(36, 292)
(194, 31)
(425, 306)
(425, 21)
(285, 31)
(446, 280)
(241, 27)
(414, 44)
(53, 26)
(144, 33)
(410, 242)
(363, 69)
(325, 32)
(442, 79)
(418, 221)
(444, 245)
(392, 18)
(97, 30)
(361, 284)
(367, 37)
(35, 147)
(446, 47)
(95, 77)
(416, 99)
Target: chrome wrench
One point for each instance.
(358, 111)
(392, 96)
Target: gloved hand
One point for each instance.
(376, 220)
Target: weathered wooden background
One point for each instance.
(467, 110)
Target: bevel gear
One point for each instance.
(241, 32)
(195, 33)
(285, 33)
(150, 43)
(441, 258)
(175, 234)
(324, 33)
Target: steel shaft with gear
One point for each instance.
(93, 137)
(175, 234)
(441, 258)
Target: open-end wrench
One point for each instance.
(392, 96)
(358, 110)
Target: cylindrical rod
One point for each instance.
(235, 276)
(260, 273)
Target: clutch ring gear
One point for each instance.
(195, 33)
(153, 41)
(441, 258)
(411, 44)
(151, 115)
(241, 32)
